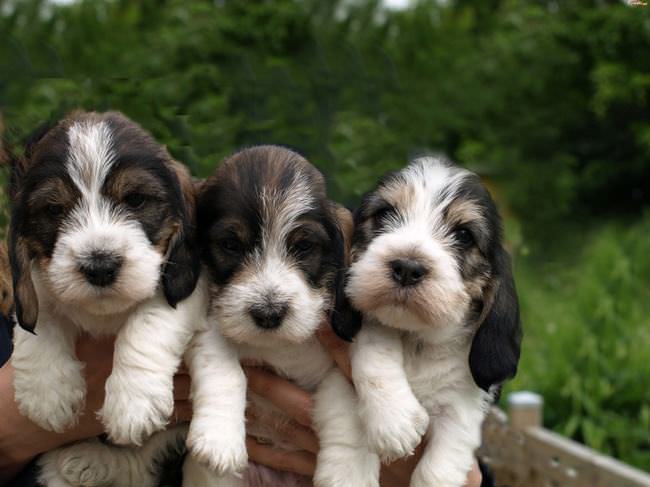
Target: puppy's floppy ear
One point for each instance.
(6, 285)
(18, 164)
(346, 321)
(25, 299)
(182, 268)
(495, 349)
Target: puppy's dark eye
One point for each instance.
(231, 245)
(134, 200)
(464, 237)
(303, 246)
(54, 210)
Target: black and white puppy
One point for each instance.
(441, 325)
(101, 241)
(274, 246)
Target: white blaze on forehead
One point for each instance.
(281, 209)
(428, 185)
(91, 154)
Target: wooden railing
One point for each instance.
(522, 453)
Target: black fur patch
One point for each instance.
(495, 350)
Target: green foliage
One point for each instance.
(550, 99)
(586, 310)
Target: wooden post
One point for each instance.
(525, 410)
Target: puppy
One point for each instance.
(101, 241)
(274, 247)
(441, 325)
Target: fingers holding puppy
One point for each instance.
(295, 402)
(300, 462)
(336, 347)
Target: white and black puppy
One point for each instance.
(274, 246)
(441, 325)
(101, 241)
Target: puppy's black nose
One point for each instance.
(270, 316)
(101, 269)
(407, 272)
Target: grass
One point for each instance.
(585, 301)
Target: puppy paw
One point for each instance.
(222, 451)
(53, 403)
(81, 469)
(397, 435)
(423, 478)
(131, 414)
(338, 466)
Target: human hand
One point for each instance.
(297, 404)
(21, 440)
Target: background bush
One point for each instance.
(550, 101)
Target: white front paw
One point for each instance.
(397, 434)
(346, 467)
(52, 400)
(222, 449)
(439, 470)
(132, 412)
(425, 478)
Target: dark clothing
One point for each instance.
(488, 478)
(5, 339)
(26, 478)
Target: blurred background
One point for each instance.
(548, 100)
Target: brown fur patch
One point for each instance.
(346, 225)
(6, 286)
(53, 191)
(461, 212)
(397, 193)
(24, 292)
(134, 179)
(189, 187)
(168, 232)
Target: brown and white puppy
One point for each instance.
(101, 241)
(441, 319)
(274, 248)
